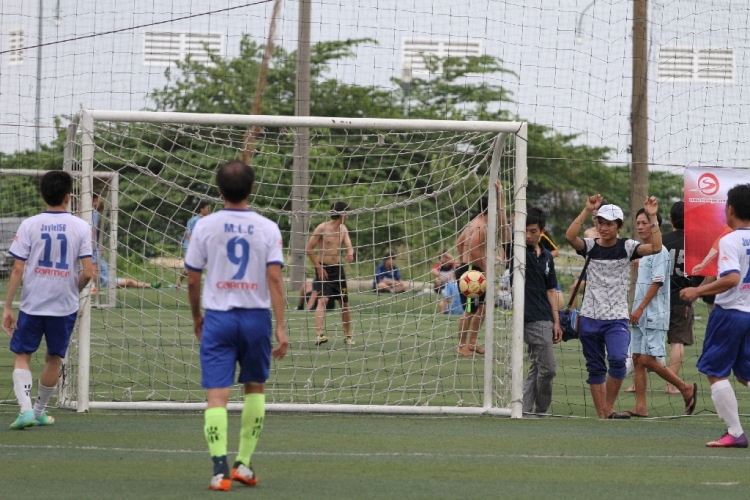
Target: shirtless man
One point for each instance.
(472, 255)
(324, 250)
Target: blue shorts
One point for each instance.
(595, 336)
(648, 341)
(727, 344)
(56, 330)
(229, 337)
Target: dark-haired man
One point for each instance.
(726, 347)
(680, 331)
(324, 250)
(243, 253)
(52, 243)
(541, 321)
(472, 255)
(388, 277)
(650, 321)
(603, 319)
(204, 208)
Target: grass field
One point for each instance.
(156, 455)
(405, 355)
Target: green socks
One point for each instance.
(215, 430)
(252, 423)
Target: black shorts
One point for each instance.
(460, 271)
(680, 325)
(335, 286)
(330, 305)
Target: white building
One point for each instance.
(698, 103)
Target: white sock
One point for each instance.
(42, 399)
(22, 386)
(727, 407)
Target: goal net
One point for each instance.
(412, 187)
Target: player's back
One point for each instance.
(734, 257)
(51, 243)
(236, 246)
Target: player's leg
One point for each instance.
(547, 368)
(722, 347)
(255, 363)
(25, 341)
(475, 326)
(679, 335)
(346, 314)
(592, 345)
(463, 330)
(218, 355)
(400, 287)
(617, 340)
(654, 347)
(57, 334)
(320, 313)
(640, 378)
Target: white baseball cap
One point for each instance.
(610, 212)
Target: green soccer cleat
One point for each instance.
(23, 420)
(156, 284)
(44, 420)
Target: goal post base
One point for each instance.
(309, 408)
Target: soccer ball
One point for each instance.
(472, 284)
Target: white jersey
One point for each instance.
(51, 243)
(734, 257)
(236, 245)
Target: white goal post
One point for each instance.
(412, 186)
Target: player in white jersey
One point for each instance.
(243, 253)
(726, 347)
(47, 248)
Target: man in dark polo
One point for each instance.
(541, 321)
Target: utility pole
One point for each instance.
(300, 187)
(639, 120)
(639, 111)
(38, 110)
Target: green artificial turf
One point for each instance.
(139, 455)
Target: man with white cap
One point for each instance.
(603, 319)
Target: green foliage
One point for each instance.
(165, 173)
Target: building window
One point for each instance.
(15, 45)
(688, 64)
(416, 51)
(165, 48)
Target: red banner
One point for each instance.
(705, 221)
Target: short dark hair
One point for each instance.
(677, 214)
(338, 209)
(203, 204)
(54, 186)
(739, 199)
(235, 181)
(535, 215)
(643, 211)
(483, 204)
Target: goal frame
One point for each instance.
(83, 123)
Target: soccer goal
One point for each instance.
(411, 186)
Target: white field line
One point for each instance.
(375, 454)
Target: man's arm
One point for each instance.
(16, 276)
(348, 245)
(194, 295)
(651, 206)
(313, 242)
(721, 285)
(276, 287)
(653, 290)
(86, 273)
(571, 235)
(502, 220)
(556, 329)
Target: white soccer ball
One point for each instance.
(472, 284)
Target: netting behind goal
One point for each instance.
(411, 190)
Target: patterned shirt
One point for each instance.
(606, 296)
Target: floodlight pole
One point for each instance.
(639, 116)
(300, 187)
(38, 109)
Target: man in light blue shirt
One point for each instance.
(650, 322)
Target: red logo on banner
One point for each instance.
(708, 184)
